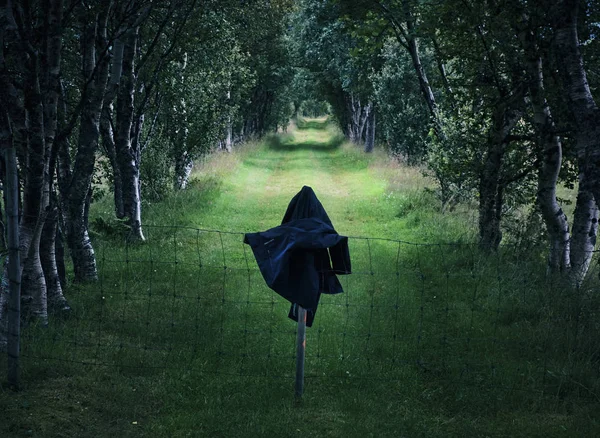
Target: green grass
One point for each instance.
(182, 338)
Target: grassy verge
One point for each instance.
(181, 337)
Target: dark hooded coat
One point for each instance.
(300, 258)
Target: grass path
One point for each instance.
(366, 195)
(267, 178)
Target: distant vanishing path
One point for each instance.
(354, 187)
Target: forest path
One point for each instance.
(257, 188)
(250, 189)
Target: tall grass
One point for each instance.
(431, 337)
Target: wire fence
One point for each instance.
(445, 312)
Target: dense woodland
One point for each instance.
(495, 99)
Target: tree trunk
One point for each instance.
(183, 160)
(2, 221)
(4, 298)
(35, 123)
(587, 120)
(56, 300)
(126, 155)
(35, 199)
(353, 110)
(228, 136)
(60, 255)
(370, 135)
(108, 141)
(5, 144)
(228, 143)
(357, 120)
(413, 50)
(424, 84)
(363, 119)
(106, 126)
(52, 60)
(9, 98)
(442, 69)
(555, 219)
(183, 170)
(490, 234)
(95, 69)
(585, 229)
(10, 289)
(504, 119)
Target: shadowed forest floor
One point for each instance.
(81, 379)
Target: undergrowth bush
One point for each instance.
(156, 172)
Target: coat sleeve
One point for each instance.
(340, 257)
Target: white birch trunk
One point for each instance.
(587, 119)
(555, 219)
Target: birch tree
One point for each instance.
(75, 177)
(31, 64)
(587, 136)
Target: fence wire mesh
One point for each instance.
(195, 298)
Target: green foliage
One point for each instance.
(455, 162)
(403, 115)
(314, 108)
(108, 229)
(156, 171)
(331, 51)
(262, 36)
(227, 76)
(418, 201)
(304, 123)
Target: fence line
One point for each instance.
(440, 312)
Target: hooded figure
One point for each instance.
(300, 258)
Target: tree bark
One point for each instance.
(183, 160)
(585, 229)
(52, 93)
(5, 144)
(370, 133)
(9, 97)
(56, 300)
(363, 119)
(555, 219)
(183, 170)
(353, 111)
(229, 135)
(108, 141)
(10, 290)
(126, 155)
(413, 50)
(106, 126)
(504, 119)
(95, 69)
(228, 140)
(490, 234)
(442, 69)
(358, 115)
(587, 120)
(35, 198)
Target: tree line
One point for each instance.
(90, 89)
(495, 97)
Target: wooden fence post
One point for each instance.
(300, 351)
